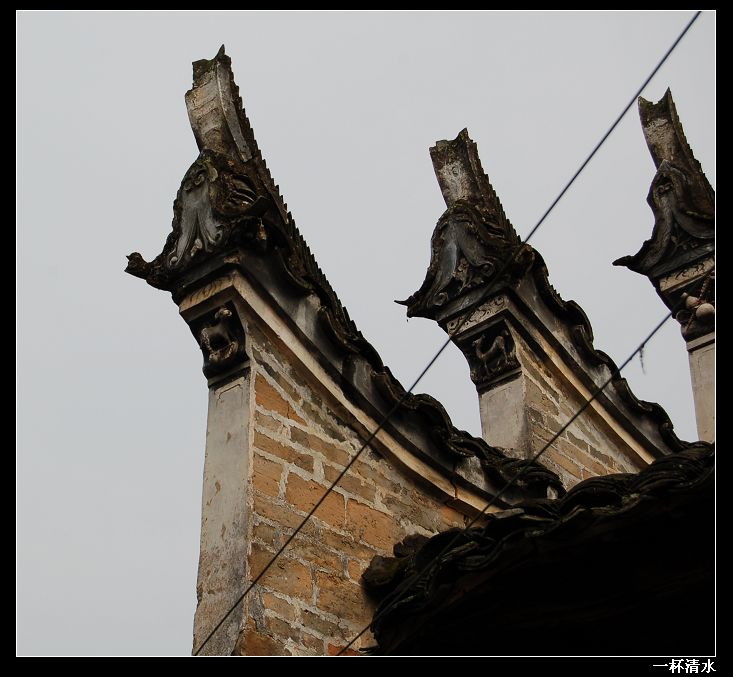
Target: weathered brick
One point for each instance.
(372, 526)
(283, 515)
(269, 423)
(267, 444)
(536, 418)
(300, 437)
(285, 576)
(594, 466)
(574, 439)
(551, 465)
(419, 513)
(269, 398)
(539, 398)
(282, 380)
(599, 467)
(604, 459)
(282, 629)
(570, 466)
(542, 377)
(304, 494)
(333, 650)
(452, 517)
(266, 534)
(554, 424)
(370, 475)
(356, 569)
(340, 597)
(315, 443)
(313, 644)
(317, 412)
(251, 642)
(320, 625)
(266, 475)
(349, 483)
(280, 606)
(542, 436)
(590, 433)
(346, 545)
(265, 507)
(314, 551)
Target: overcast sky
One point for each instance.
(112, 401)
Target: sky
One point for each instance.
(111, 400)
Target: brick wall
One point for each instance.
(584, 449)
(311, 601)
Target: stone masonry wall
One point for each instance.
(311, 601)
(584, 449)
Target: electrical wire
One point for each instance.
(483, 297)
(406, 585)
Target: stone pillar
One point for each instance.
(490, 343)
(221, 574)
(702, 372)
(222, 577)
(503, 415)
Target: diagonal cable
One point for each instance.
(483, 297)
(403, 588)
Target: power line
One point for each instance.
(447, 342)
(407, 584)
(615, 124)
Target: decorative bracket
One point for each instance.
(491, 354)
(221, 337)
(697, 317)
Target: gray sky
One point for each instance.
(112, 401)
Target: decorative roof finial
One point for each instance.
(473, 237)
(679, 257)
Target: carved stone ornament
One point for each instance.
(216, 205)
(697, 315)
(226, 191)
(466, 251)
(221, 339)
(229, 200)
(491, 354)
(208, 196)
(681, 198)
(473, 239)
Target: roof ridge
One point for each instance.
(265, 225)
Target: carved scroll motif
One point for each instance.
(207, 194)
(473, 240)
(482, 313)
(467, 250)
